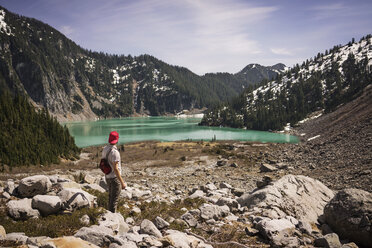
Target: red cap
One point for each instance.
(113, 138)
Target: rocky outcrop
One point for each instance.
(34, 185)
(349, 214)
(76, 198)
(21, 209)
(299, 196)
(47, 204)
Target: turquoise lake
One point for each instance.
(133, 129)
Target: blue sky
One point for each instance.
(205, 35)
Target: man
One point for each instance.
(114, 180)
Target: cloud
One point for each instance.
(66, 30)
(282, 51)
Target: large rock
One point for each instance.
(70, 242)
(21, 209)
(47, 204)
(328, 241)
(298, 196)
(76, 199)
(34, 185)
(16, 237)
(114, 221)
(349, 214)
(147, 227)
(10, 187)
(210, 211)
(98, 235)
(179, 239)
(2, 232)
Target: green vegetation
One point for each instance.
(31, 137)
(52, 225)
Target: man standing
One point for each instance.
(114, 180)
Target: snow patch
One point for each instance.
(312, 138)
(4, 28)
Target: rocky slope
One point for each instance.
(74, 83)
(336, 147)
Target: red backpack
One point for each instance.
(104, 164)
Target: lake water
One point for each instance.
(164, 129)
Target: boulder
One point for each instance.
(271, 227)
(231, 203)
(94, 187)
(208, 187)
(76, 198)
(267, 168)
(90, 179)
(210, 211)
(147, 227)
(328, 241)
(189, 219)
(160, 223)
(114, 221)
(16, 237)
(349, 214)
(197, 194)
(125, 244)
(137, 193)
(298, 196)
(179, 239)
(10, 187)
(98, 235)
(34, 185)
(85, 220)
(21, 209)
(2, 232)
(47, 204)
(71, 242)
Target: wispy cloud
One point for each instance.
(282, 51)
(66, 30)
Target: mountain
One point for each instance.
(320, 83)
(76, 84)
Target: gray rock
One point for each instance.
(114, 221)
(90, 179)
(299, 196)
(349, 214)
(269, 228)
(231, 203)
(16, 237)
(47, 204)
(137, 194)
(305, 227)
(237, 192)
(267, 168)
(349, 245)
(10, 187)
(224, 185)
(328, 241)
(152, 242)
(2, 232)
(208, 187)
(34, 185)
(197, 194)
(6, 195)
(85, 220)
(182, 240)
(76, 198)
(160, 223)
(134, 237)
(94, 187)
(125, 244)
(147, 227)
(98, 235)
(189, 219)
(210, 211)
(21, 209)
(266, 180)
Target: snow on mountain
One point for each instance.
(4, 28)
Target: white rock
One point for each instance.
(114, 221)
(34, 185)
(76, 198)
(98, 235)
(160, 223)
(21, 209)
(210, 211)
(182, 240)
(298, 196)
(268, 228)
(94, 187)
(70, 241)
(147, 227)
(2, 232)
(47, 204)
(17, 237)
(197, 194)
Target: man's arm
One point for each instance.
(117, 173)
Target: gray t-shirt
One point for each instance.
(113, 157)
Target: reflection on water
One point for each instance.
(164, 129)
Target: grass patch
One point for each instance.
(52, 225)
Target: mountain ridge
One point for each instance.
(77, 84)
